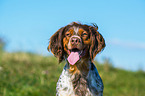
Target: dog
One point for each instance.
(78, 44)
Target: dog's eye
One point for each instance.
(84, 34)
(68, 34)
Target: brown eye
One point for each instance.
(84, 34)
(68, 34)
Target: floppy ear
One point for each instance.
(97, 42)
(56, 44)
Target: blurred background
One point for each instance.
(26, 26)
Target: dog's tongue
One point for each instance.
(73, 57)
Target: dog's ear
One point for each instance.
(56, 44)
(97, 41)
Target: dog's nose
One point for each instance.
(75, 40)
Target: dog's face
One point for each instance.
(75, 42)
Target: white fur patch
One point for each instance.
(64, 85)
(76, 30)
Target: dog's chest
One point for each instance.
(65, 86)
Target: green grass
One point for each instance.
(25, 74)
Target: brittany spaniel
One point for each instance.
(78, 44)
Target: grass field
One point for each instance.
(26, 74)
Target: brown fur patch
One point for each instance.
(79, 84)
(79, 73)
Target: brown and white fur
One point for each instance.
(82, 77)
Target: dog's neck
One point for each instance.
(78, 73)
(81, 67)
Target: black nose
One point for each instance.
(75, 40)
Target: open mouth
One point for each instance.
(74, 55)
(75, 50)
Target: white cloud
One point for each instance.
(127, 44)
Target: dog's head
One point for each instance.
(76, 41)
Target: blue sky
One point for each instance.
(27, 26)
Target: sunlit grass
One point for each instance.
(27, 74)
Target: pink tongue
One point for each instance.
(73, 57)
